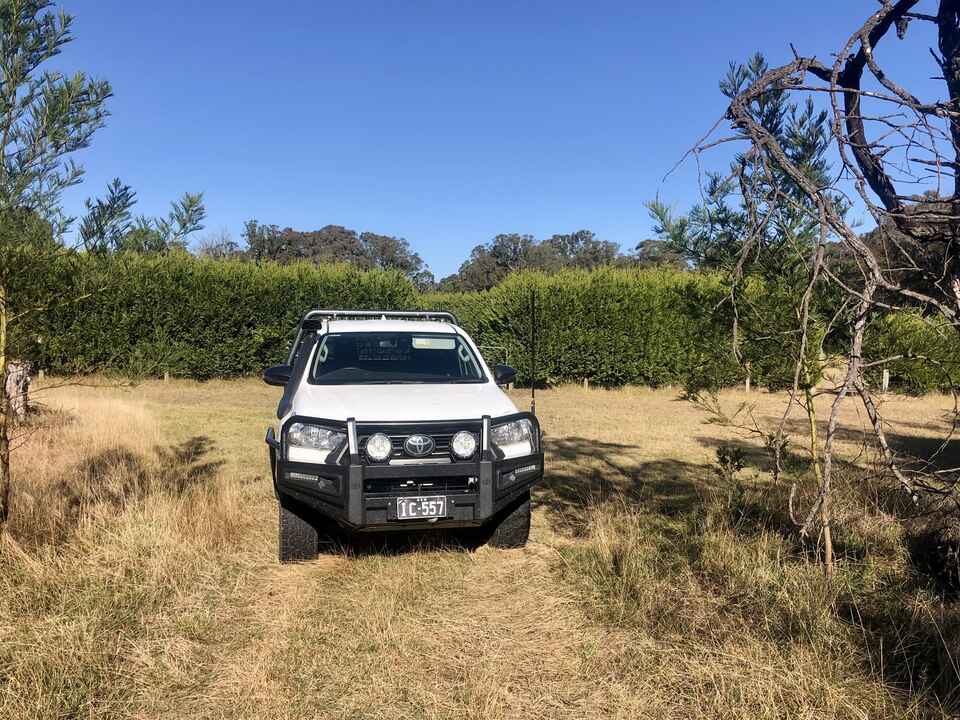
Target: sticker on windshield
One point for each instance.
(434, 343)
(381, 349)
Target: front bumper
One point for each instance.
(361, 495)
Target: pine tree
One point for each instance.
(747, 205)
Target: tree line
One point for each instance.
(710, 236)
(109, 227)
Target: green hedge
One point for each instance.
(926, 352)
(611, 326)
(202, 319)
(191, 317)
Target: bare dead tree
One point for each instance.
(899, 155)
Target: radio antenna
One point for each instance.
(533, 351)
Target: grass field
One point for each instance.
(140, 579)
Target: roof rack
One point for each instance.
(438, 316)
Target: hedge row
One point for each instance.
(202, 319)
(190, 317)
(613, 327)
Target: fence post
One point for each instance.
(746, 381)
(885, 383)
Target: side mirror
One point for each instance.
(504, 374)
(277, 375)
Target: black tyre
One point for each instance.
(512, 528)
(298, 539)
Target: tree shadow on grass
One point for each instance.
(116, 478)
(907, 649)
(934, 445)
(913, 645)
(117, 474)
(864, 481)
(186, 464)
(758, 505)
(582, 473)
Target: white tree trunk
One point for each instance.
(18, 389)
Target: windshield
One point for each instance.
(394, 357)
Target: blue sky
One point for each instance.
(441, 122)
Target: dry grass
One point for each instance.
(140, 580)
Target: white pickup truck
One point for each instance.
(393, 421)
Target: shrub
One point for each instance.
(927, 352)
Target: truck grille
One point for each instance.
(441, 433)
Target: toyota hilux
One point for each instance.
(393, 421)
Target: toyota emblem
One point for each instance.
(418, 445)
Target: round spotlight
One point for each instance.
(379, 447)
(463, 444)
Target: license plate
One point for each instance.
(421, 507)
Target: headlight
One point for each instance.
(312, 443)
(379, 447)
(514, 439)
(314, 436)
(463, 445)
